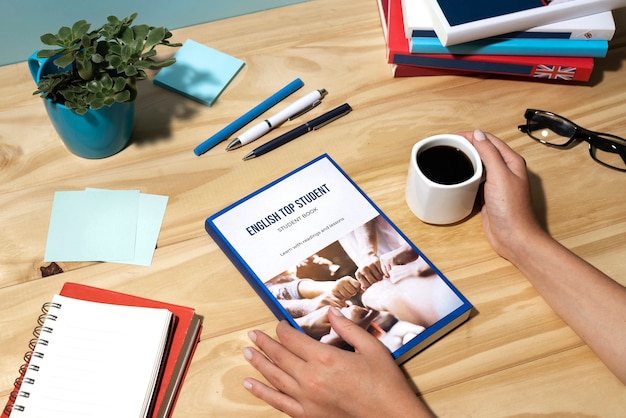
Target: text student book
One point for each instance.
(299, 242)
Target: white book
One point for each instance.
(458, 21)
(94, 360)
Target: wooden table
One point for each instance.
(515, 357)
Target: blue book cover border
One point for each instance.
(275, 306)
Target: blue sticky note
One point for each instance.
(199, 73)
(93, 226)
(151, 212)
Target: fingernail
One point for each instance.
(252, 336)
(246, 384)
(479, 135)
(247, 353)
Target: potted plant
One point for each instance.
(89, 81)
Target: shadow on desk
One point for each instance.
(155, 110)
(613, 62)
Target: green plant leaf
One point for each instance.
(64, 61)
(80, 28)
(106, 81)
(93, 86)
(101, 66)
(65, 35)
(131, 71)
(85, 69)
(155, 36)
(47, 53)
(119, 84)
(49, 39)
(123, 96)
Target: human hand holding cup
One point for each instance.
(444, 175)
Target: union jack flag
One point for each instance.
(556, 72)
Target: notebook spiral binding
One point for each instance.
(40, 330)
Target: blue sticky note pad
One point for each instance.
(151, 212)
(199, 73)
(93, 226)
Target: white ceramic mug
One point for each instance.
(437, 203)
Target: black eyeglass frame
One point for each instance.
(596, 140)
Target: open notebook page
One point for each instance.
(94, 360)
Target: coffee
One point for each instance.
(445, 164)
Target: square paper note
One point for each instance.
(86, 226)
(199, 73)
(119, 226)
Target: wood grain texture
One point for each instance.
(514, 357)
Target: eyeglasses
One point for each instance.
(556, 131)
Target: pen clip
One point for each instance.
(326, 122)
(303, 111)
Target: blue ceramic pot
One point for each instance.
(96, 134)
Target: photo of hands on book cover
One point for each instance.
(377, 280)
(312, 239)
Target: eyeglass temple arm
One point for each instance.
(527, 127)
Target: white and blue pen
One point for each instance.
(248, 117)
(297, 108)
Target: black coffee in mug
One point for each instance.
(445, 164)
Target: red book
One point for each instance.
(416, 71)
(541, 67)
(408, 70)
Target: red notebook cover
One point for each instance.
(547, 68)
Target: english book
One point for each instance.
(541, 67)
(458, 21)
(299, 242)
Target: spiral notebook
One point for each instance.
(84, 347)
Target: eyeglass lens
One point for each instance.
(609, 150)
(551, 129)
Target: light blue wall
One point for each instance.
(22, 22)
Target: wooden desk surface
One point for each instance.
(515, 357)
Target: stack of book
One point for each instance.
(99, 353)
(538, 39)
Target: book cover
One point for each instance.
(418, 23)
(399, 70)
(458, 21)
(542, 67)
(183, 342)
(299, 242)
(513, 46)
(408, 70)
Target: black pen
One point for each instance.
(309, 126)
